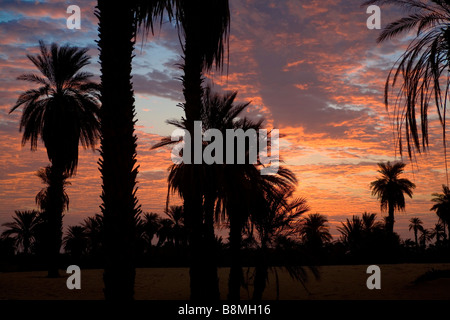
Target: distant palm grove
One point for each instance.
(231, 215)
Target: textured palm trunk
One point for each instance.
(54, 209)
(118, 147)
(390, 221)
(203, 285)
(235, 278)
(210, 242)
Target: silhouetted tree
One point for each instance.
(442, 207)
(422, 72)
(63, 113)
(390, 190)
(93, 228)
(438, 232)
(314, 231)
(176, 215)
(22, 230)
(416, 225)
(204, 25)
(425, 236)
(151, 223)
(76, 242)
(277, 219)
(118, 24)
(352, 234)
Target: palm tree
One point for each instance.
(204, 25)
(118, 27)
(151, 223)
(176, 215)
(166, 232)
(425, 235)
(442, 207)
(22, 230)
(276, 220)
(390, 190)
(228, 190)
(63, 113)
(314, 231)
(417, 225)
(438, 232)
(52, 196)
(352, 233)
(423, 69)
(76, 241)
(93, 228)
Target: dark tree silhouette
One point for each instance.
(229, 190)
(76, 242)
(416, 225)
(22, 230)
(118, 24)
(63, 113)
(93, 228)
(422, 72)
(204, 26)
(150, 223)
(438, 232)
(51, 198)
(352, 234)
(314, 231)
(390, 190)
(176, 215)
(276, 221)
(442, 207)
(425, 236)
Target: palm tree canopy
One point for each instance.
(208, 21)
(63, 111)
(314, 229)
(442, 204)
(22, 229)
(390, 188)
(423, 68)
(415, 224)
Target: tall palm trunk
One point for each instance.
(210, 243)
(235, 278)
(118, 147)
(390, 219)
(54, 207)
(415, 236)
(202, 284)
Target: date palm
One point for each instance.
(442, 206)
(276, 220)
(416, 225)
(390, 189)
(422, 73)
(229, 191)
(314, 231)
(63, 113)
(425, 236)
(438, 232)
(118, 27)
(22, 230)
(204, 26)
(352, 234)
(76, 242)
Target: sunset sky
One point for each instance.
(312, 69)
